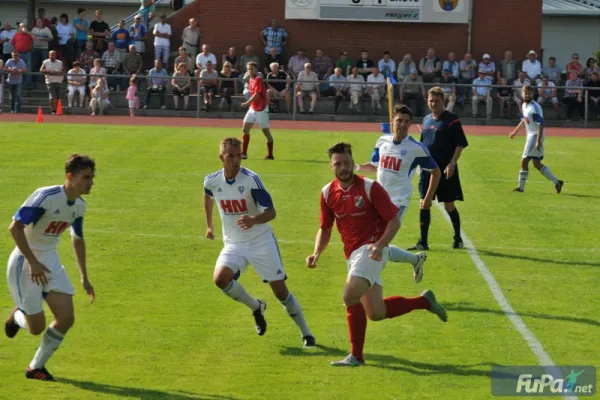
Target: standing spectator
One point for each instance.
(337, 88)
(274, 36)
(594, 92)
(148, 10)
(232, 58)
(271, 58)
(190, 39)
(532, 68)
(405, 67)
(6, 38)
(203, 58)
(296, 63)
(65, 32)
(112, 60)
(162, 40)
(121, 38)
(76, 78)
(507, 68)
(86, 59)
(54, 71)
(481, 94)
(248, 56)
(452, 65)
(386, 65)
(430, 66)
(181, 84)
(521, 81)
(504, 96)
(590, 68)
(227, 87)
(23, 43)
(448, 85)
(547, 92)
(100, 32)
(15, 68)
(54, 43)
(137, 32)
(375, 89)
(41, 37)
(278, 90)
(553, 71)
(307, 85)
(345, 63)
(412, 92)
(356, 87)
(157, 83)
(184, 58)
(82, 26)
(42, 15)
(575, 65)
(365, 64)
(132, 99)
(132, 62)
(208, 84)
(323, 67)
(488, 67)
(99, 97)
(574, 95)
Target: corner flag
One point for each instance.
(390, 95)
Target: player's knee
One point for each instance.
(449, 207)
(280, 290)
(375, 315)
(222, 278)
(65, 322)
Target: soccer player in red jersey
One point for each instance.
(258, 111)
(367, 221)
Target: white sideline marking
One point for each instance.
(532, 341)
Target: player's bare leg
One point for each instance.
(293, 309)
(267, 133)
(246, 139)
(523, 174)
(34, 324)
(224, 279)
(558, 184)
(455, 219)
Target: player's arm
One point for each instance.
(209, 203)
(517, 129)
(371, 166)
(460, 142)
(540, 136)
(323, 235)
(427, 163)
(80, 256)
(263, 199)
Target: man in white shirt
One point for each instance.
(5, 38)
(517, 85)
(532, 67)
(307, 85)
(54, 71)
(375, 88)
(386, 65)
(547, 92)
(205, 56)
(162, 40)
(356, 86)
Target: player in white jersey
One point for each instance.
(533, 119)
(395, 159)
(246, 208)
(35, 272)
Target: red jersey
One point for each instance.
(257, 85)
(361, 212)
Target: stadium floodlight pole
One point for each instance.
(587, 108)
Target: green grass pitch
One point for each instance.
(160, 329)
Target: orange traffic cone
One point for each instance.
(40, 116)
(59, 110)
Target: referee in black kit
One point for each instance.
(443, 135)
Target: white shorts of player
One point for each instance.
(403, 209)
(530, 150)
(360, 264)
(257, 117)
(264, 257)
(27, 295)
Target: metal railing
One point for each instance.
(291, 85)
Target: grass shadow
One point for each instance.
(484, 252)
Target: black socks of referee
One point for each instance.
(425, 221)
(455, 218)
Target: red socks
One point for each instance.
(357, 326)
(397, 305)
(270, 149)
(245, 143)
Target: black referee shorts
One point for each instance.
(448, 190)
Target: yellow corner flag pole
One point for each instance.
(390, 96)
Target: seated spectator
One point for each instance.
(272, 57)
(99, 97)
(574, 95)
(279, 90)
(112, 60)
(76, 78)
(203, 58)
(356, 86)
(468, 73)
(121, 38)
(448, 84)
(517, 85)
(308, 85)
(594, 92)
(181, 84)
(404, 67)
(87, 57)
(138, 33)
(162, 40)
(208, 84)
(375, 88)
(132, 62)
(387, 66)
(452, 65)
(507, 68)
(504, 96)
(413, 93)
(337, 88)
(232, 58)
(97, 69)
(15, 68)
(547, 92)
(489, 67)
(54, 70)
(322, 66)
(575, 65)
(365, 64)
(345, 63)
(430, 66)
(296, 63)
(190, 38)
(185, 59)
(552, 71)
(481, 94)
(590, 68)
(227, 88)
(247, 57)
(157, 83)
(532, 68)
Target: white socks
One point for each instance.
(522, 179)
(398, 255)
(548, 174)
(238, 293)
(294, 310)
(50, 343)
(20, 319)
